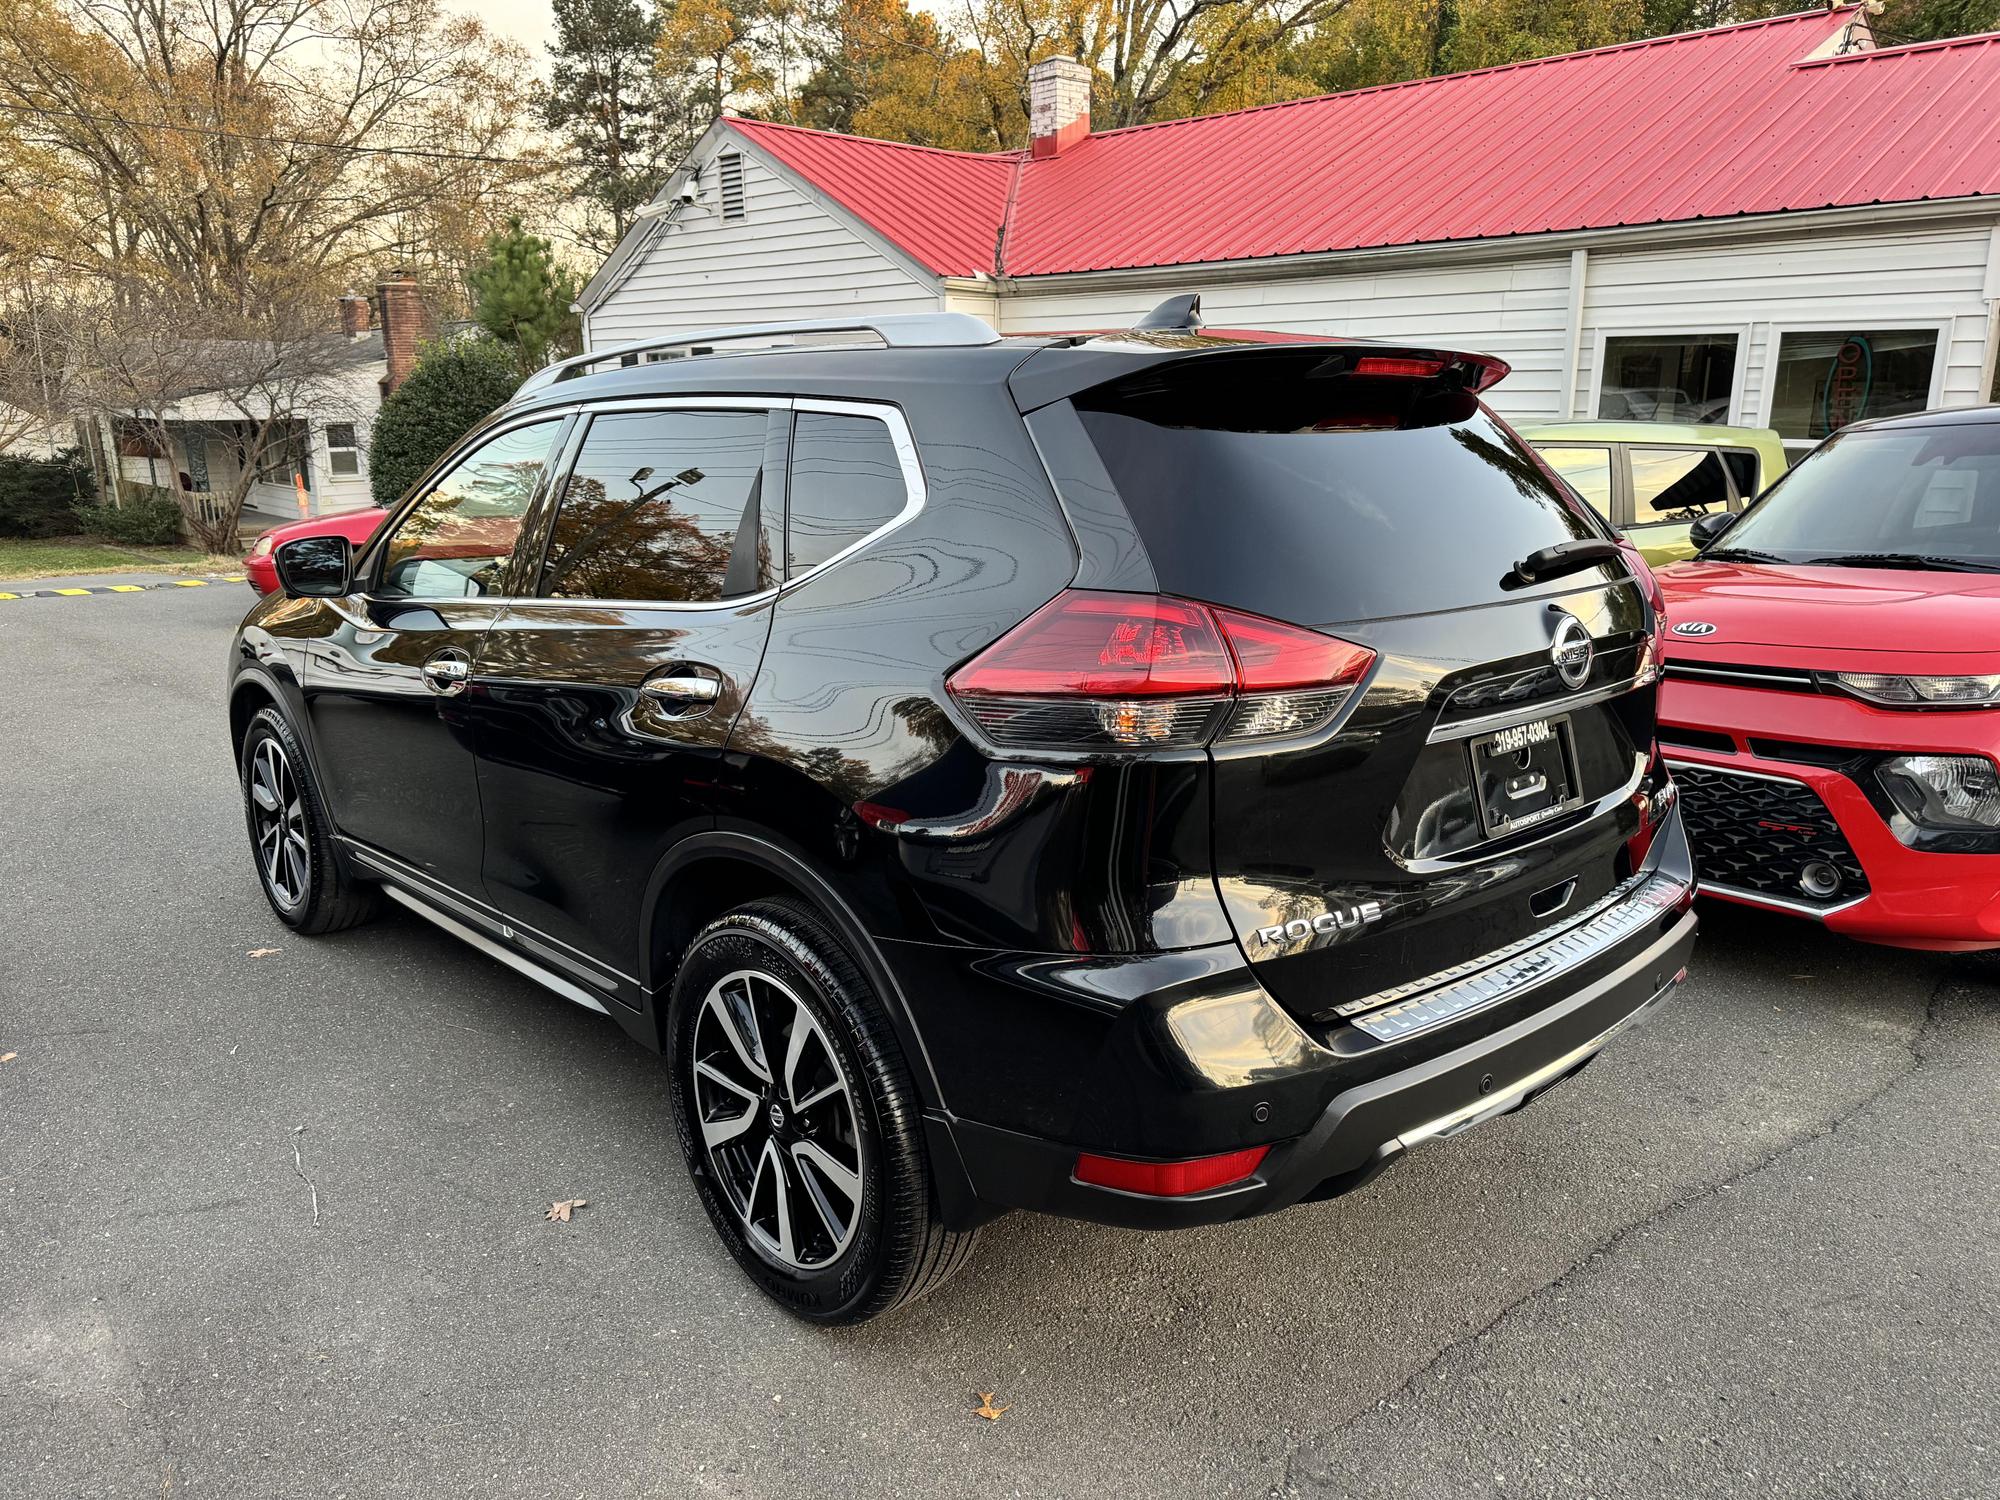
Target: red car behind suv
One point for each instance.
(1832, 706)
(356, 525)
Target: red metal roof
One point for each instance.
(1710, 124)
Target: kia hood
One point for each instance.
(1750, 612)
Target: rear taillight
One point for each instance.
(1169, 1179)
(1651, 650)
(1090, 671)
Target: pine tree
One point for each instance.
(619, 121)
(522, 297)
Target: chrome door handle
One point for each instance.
(447, 673)
(682, 691)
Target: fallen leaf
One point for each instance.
(8, 1056)
(987, 1409)
(262, 952)
(559, 1212)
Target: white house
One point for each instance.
(1776, 224)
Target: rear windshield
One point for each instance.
(1318, 501)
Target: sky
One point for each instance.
(525, 21)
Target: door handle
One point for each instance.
(447, 673)
(682, 690)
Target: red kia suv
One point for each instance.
(261, 571)
(1832, 702)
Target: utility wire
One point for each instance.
(53, 113)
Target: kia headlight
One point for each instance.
(1921, 692)
(262, 547)
(1944, 791)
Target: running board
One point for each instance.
(571, 992)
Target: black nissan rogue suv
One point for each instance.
(1155, 777)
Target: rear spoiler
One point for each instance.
(1065, 370)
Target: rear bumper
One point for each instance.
(1363, 1128)
(1916, 898)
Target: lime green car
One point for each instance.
(1652, 479)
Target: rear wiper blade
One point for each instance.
(1563, 557)
(1901, 560)
(1738, 554)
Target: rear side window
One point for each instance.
(664, 506)
(1256, 485)
(1677, 484)
(846, 482)
(1588, 471)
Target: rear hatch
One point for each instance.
(1478, 787)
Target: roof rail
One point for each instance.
(941, 330)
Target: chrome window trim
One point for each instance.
(915, 493)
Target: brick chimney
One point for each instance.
(1058, 104)
(355, 318)
(406, 323)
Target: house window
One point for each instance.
(283, 457)
(343, 450)
(1823, 381)
(136, 440)
(729, 177)
(1667, 378)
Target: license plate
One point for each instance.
(1523, 774)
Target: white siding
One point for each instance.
(1513, 310)
(788, 257)
(1882, 279)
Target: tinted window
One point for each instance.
(658, 506)
(456, 541)
(1742, 466)
(1324, 500)
(845, 482)
(1677, 484)
(1930, 490)
(1588, 471)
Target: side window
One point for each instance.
(663, 505)
(456, 541)
(1677, 484)
(846, 482)
(1742, 466)
(1588, 471)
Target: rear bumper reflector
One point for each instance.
(1392, 1015)
(1168, 1179)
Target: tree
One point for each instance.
(457, 384)
(616, 115)
(522, 298)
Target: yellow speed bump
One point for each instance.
(190, 583)
(69, 592)
(126, 588)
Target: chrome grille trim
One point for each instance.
(1790, 679)
(1393, 1015)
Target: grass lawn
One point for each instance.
(61, 556)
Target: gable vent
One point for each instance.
(729, 175)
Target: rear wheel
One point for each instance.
(799, 1121)
(290, 836)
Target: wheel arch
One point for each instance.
(712, 873)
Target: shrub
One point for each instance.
(139, 522)
(39, 496)
(457, 383)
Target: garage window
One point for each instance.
(1823, 381)
(1667, 378)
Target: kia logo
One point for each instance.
(1694, 627)
(1572, 651)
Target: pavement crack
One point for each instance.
(299, 1167)
(1917, 1045)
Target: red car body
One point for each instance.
(356, 525)
(1780, 768)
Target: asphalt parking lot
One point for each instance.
(1751, 1251)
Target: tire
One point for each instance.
(306, 886)
(828, 1207)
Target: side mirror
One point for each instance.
(315, 567)
(1707, 528)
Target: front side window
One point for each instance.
(1823, 381)
(455, 543)
(846, 483)
(1930, 492)
(1673, 378)
(1677, 484)
(666, 506)
(1588, 470)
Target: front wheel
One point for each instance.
(290, 836)
(799, 1121)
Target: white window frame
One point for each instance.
(1774, 336)
(334, 476)
(1604, 333)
